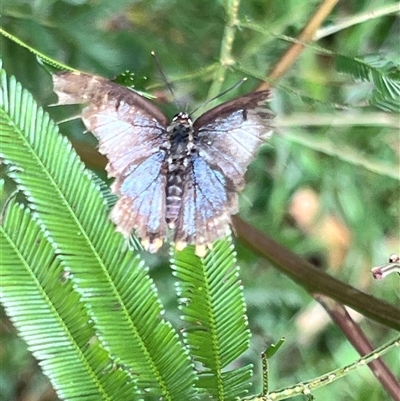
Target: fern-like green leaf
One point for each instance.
(383, 74)
(113, 283)
(50, 317)
(212, 304)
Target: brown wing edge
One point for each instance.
(79, 88)
(250, 101)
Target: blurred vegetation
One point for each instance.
(326, 186)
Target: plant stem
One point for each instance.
(355, 20)
(225, 58)
(360, 342)
(306, 35)
(314, 280)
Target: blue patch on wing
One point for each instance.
(210, 189)
(139, 178)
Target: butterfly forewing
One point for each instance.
(229, 135)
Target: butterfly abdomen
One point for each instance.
(174, 190)
(180, 136)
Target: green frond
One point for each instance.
(385, 103)
(212, 304)
(383, 74)
(113, 283)
(50, 316)
(235, 383)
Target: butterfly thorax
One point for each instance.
(180, 148)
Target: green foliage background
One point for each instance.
(353, 167)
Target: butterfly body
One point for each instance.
(181, 175)
(181, 147)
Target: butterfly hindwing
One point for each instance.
(207, 202)
(141, 203)
(131, 134)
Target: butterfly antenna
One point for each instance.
(237, 84)
(164, 77)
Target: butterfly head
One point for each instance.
(182, 119)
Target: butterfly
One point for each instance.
(180, 176)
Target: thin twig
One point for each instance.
(345, 153)
(306, 35)
(360, 342)
(226, 60)
(38, 54)
(355, 20)
(305, 388)
(314, 280)
(333, 120)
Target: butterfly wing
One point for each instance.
(226, 139)
(229, 135)
(208, 199)
(131, 133)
